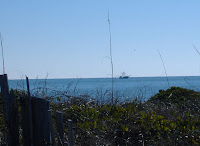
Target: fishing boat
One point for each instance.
(123, 76)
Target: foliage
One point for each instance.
(170, 117)
(138, 123)
(2, 124)
(176, 95)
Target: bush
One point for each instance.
(171, 117)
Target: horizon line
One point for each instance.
(106, 77)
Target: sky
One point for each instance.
(70, 38)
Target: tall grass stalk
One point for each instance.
(196, 49)
(164, 67)
(1, 38)
(111, 60)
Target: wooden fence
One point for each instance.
(36, 119)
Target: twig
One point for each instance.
(196, 49)
(75, 88)
(164, 68)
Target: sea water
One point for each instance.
(140, 87)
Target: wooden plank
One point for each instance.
(28, 89)
(10, 112)
(30, 120)
(41, 127)
(5, 95)
(27, 123)
(71, 141)
(52, 135)
(13, 121)
(59, 127)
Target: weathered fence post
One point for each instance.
(10, 112)
(41, 127)
(59, 126)
(71, 141)
(27, 123)
(28, 100)
(52, 135)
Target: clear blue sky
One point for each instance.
(70, 39)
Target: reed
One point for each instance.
(164, 67)
(2, 49)
(111, 59)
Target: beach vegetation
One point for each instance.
(170, 117)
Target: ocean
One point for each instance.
(124, 89)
